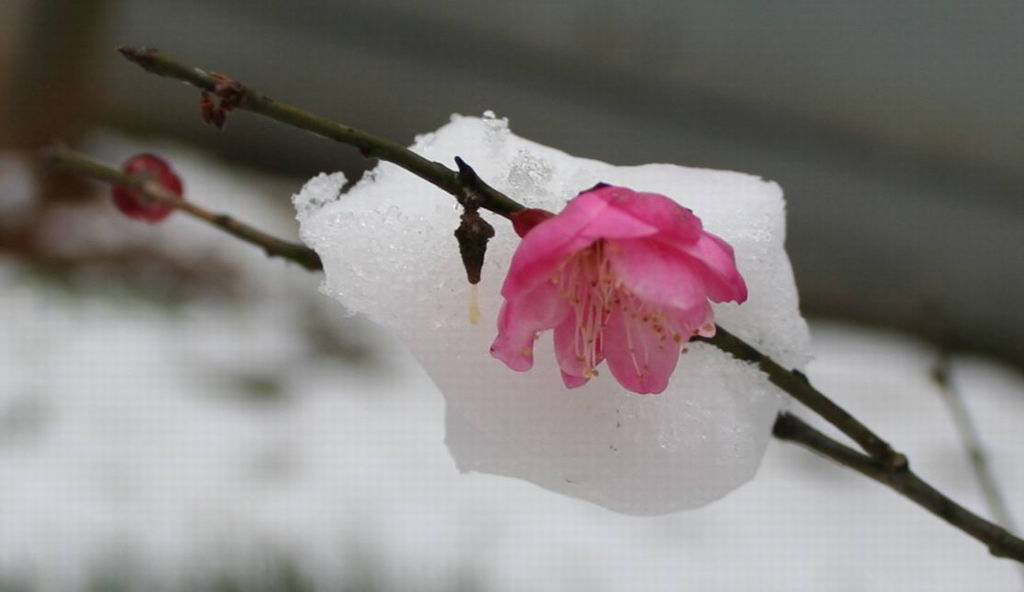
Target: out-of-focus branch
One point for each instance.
(904, 481)
(463, 184)
(971, 438)
(79, 164)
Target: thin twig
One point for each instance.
(75, 162)
(463, 184)
(971, 439)
(884, 464)
(999, 541)
(968, 432)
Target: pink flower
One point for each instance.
(619, 275)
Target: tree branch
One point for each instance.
(905, 482)
(796, 384)
(882, 463)
(78, 163)
(464, 184)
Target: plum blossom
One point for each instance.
(619, 275)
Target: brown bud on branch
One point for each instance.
(473, 233)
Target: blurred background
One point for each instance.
(173, 403)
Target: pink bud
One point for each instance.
(132, 203)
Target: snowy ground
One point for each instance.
(266, 442)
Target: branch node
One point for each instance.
(899, 463)
(229, 93)
(470, 183)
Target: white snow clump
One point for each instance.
(389, 254)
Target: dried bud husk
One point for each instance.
(473, 234)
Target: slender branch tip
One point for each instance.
(138, 55)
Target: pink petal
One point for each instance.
(657, 274)
(521, 319)
(641, 358)
(572, 382)
(573, 365)
(584, 220)
(671, 219)
(718, 264)
(699, 320)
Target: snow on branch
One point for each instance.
(879, 461)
